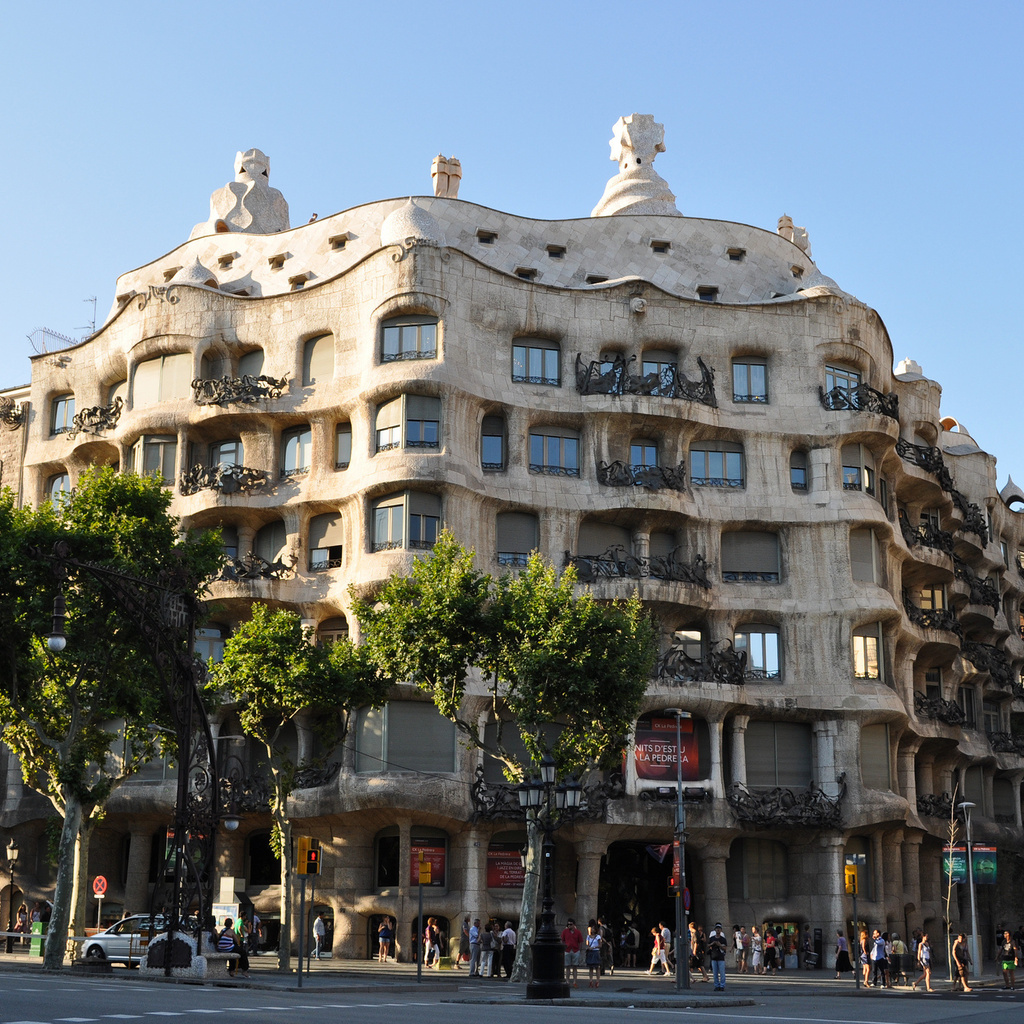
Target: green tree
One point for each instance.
(272, 672)
(552, 660)
(79, 721)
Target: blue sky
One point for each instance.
(891, 130)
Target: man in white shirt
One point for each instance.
(474, 949)
(319, 934)
(508, 949)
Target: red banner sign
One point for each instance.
(656, 749)
(504, 867)
(435, 855)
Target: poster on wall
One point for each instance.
(504, 866)
(984, 860)
(954, 864)
(656, 749)
(434, 853)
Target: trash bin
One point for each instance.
(37, 943)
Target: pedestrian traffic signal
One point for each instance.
(850, 878)
(307, 860)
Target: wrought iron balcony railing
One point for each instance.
(539, 467)
(982, 591)
(926, 457)
(612, 377)
(947, 711)
(935, 806)
(96, 419)
(932, 618)
(721, 663)
(986, 658)
(792, 808)
(620, 474)
(862, 398)
(974, 519)
(616, 564)
(224, 477)
(246, 389)
(518, 559)
(1005, 743)
(499, 801)
(253, 567)
(926, 534)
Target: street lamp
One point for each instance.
(682, 932)
(12, 860)
(551, 806)
(965, 809)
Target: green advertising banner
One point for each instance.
(984, 864)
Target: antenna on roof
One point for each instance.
(92, 323)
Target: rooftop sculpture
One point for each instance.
(248, 203)
(637, 188)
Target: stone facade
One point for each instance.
(681, 407)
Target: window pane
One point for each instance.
(571, 453)
(698, 464)
(492, 450)
(733, 466)
(519, 357)
(758, 379)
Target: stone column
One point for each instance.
(590, 852)
(827, 899)
(739, 752)
(1015, 780)
(642, 543)
(716, 886)
(911, 856)
(878, 869)
(925, 775)
(905, 773)
(892, 873)
(819, 465)
(136, 886)
(717, 783)
(246, 540)
(475, 890)
(825, 733)
(988, 797)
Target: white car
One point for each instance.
(125, 942)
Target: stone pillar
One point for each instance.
(911, 856)
(819, 465)
(246, 540)
(716, 886)
(717, 783)
(136, 886)
(590, 852)
(988, 802)
(892, 873)
(739, 751)
(878, 869)
(827, 900)
(905, 773)
(1015, 780)
(825, 733)
(925, 775)
(641, 545)
(474, 896)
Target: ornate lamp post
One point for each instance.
(551, 806)
(12, 860)
(682, 931)
(965, 808)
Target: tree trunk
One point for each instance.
(284, 954)
(523, 965)
(80, 898)
(57, 934)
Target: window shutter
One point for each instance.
(851, 454)
(793, 753)
(662, 544)
(493, 426)
(517, 531)
(146, 383)
(251, 363)
(370, 740)
(176, 376)
(974, 785)
(759, 746)
(326, 531)
(874, 757)
(421, 504)
(420, 407)
(318, 360)
(419, 738)
(862, 555)
(271, 541)
(748, 551)
(550, 431)
(658, 355)
(389, 414)
(1003, 802)
(597, 538)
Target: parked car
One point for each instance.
(125, 942)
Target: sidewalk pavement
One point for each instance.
(624, 988)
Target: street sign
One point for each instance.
(686, 899)
(99, 885)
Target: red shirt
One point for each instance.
(572, 938)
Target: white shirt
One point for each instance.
(319, 928)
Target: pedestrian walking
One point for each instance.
(842, 955)
(508, 949)
(924, 960)
(1009, 955)
(319, 934)
(474, 949)
(962, 961)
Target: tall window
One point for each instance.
(761, 645)
(749, 380)
(404, 736)
(325, 542)
(933, 597)
(58, 487)
(162, 379)
(251, 364)
(778, 754)
(642, 454)
(750, 556)
(867, 651)
(716, 464)
(759, 869)
(410, 520)
(492, 443)
(154, 454)
(660, 366)
(864, 556)
(536, 361)
(229, 541)
(517, 535)
(318, 360)
(342, 445)
(597, 538)
(554, 450)
(409, 337)
(798, 470)
(119, 389)
(209, 643)
(875, 761)
(991, 716)
(226, 453)
(967, 698)
(296, 451)
(842, 377)
(330, 631)
(409, 421)
(858, 469)
(63, 416)
(271, 541)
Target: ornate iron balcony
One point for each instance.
(604, 377)
(986, 658)
(721, 663)
(253, 567)
(96, 419)
(514, 558)
(926, 457)
(935, 806)
(520, 378)
(717, 481)
(500, 801)
(668, 794)
(974, 518)
(312, 776)
(932, 618)
(246, 389)
(386, 545)
(616, 564)
(325, 564)
(538, 467)
(947, 711)
(619, 474)
(397, 357)
(983, 591)
(1004, 743)
(224, 477)
(750, 577)
(793, 808)
(926, 534)
(862, 398)
(10, 414)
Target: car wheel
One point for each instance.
(96, 952)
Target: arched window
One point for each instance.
(227, 453)
(536, 361)
(867, 651)
(865, 563)
(409, 421)
(411, 520)
(518, 533)
(296, 451)
(750, 556)
(332, 630)
(750, 379)
(63, 414)
(156, 455)
(660, 366)
(318, 360)
(271, 541)
(326, 534)
(208, 643)
(251, 364)
(798, 470)
(555, 450)
(342, 445)
(492, 444)
(408, 337)
(761, 645)
(58, 487)
(162, 379)
(715, 463)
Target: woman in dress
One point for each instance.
(756, 951)
(865, 957)
(1008, 956)
(842, 955)
(594, 944)
(924, 958)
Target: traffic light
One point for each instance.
(307, 860)
(850, 878)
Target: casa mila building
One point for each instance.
(687, 409)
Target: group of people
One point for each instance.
(762, 951)
(492, 949)
(25, 918)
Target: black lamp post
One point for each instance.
(682, 929)
(12, 860)
(550, 806)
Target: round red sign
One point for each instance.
(99, 885)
